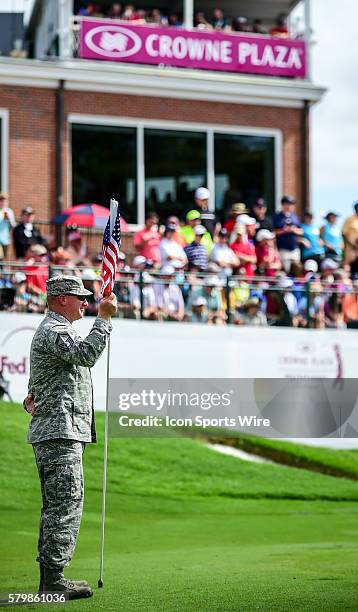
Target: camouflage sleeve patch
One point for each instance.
(64, 341)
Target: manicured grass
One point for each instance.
(188, 529)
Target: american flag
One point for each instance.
(110, 249)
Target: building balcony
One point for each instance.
(260, 42)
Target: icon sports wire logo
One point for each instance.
(169, 399)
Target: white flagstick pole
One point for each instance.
(113, 214)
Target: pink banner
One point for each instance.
(122, 42)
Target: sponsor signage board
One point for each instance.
(252, 54)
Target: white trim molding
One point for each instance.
(157, 81)
(4, 117)
(209, 129)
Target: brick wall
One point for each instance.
(33, 131)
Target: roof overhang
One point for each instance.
(134, 79)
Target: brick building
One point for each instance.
(81, 130)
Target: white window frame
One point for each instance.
(4, 116)
(206, 128)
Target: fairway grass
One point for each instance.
(188, 529)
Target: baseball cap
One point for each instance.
(246, 220)
(19, 277)
(264, 234)
(28, 210)
(331, 213)
(260, 203)
(310, 265)
(139, 260)
(66, 285)
(223, 232)
(239, 207)
(285, 282)
(202, 193)
(171, 227)
(192, 215)
(329, 264)
(199, 301)
(199, 230)
(167, 269)
(89, 275)
(287, 199)
(212, 281)
(38, 249)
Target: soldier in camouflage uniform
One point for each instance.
(60, 400)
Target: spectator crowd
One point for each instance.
(248, 268)
(218, 20)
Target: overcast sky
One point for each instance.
(334, 162)
(334, 122)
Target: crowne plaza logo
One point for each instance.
(113, 41)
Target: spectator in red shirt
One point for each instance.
(147, 240)
(268, 259)
(36, 269)
(280, 30)
(245, 251)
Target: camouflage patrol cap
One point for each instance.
(66, 285)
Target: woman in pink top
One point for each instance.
(147, 240)
(268, 259)
(245, 251)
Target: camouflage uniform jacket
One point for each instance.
(60, 379)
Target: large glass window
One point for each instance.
(104, 164)
(244, 170)
(175, 165)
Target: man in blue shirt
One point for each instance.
(288, 230)
(332, 237)
(312, 243)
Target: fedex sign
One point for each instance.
(103, 39)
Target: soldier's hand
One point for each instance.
(29, 404)
(108, 307)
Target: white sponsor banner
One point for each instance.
(178, 350)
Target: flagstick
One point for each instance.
(113, 211)
(104, 483)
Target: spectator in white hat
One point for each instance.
(245, 251)
(268, 259)
(170, 251)
(207, 217)
(210, 291)
(199, 312)
(169, 298)
(223, 255)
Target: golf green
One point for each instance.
(188, 528)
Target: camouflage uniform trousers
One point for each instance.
(59, 463)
